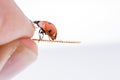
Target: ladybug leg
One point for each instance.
(41, 34)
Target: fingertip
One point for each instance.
(29, 43)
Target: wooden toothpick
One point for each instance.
(58, 41)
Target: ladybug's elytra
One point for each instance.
(47, 28)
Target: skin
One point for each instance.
(17, 49)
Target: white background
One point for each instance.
(96, 23)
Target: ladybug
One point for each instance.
(46, 28)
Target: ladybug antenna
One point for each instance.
(36, 22)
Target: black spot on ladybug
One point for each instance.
(50, 31)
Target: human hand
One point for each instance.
(17, 50)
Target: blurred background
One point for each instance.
(96, 23)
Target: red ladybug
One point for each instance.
(46, 28)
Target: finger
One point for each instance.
(25, 54)
(13, 23)
(6, 51)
